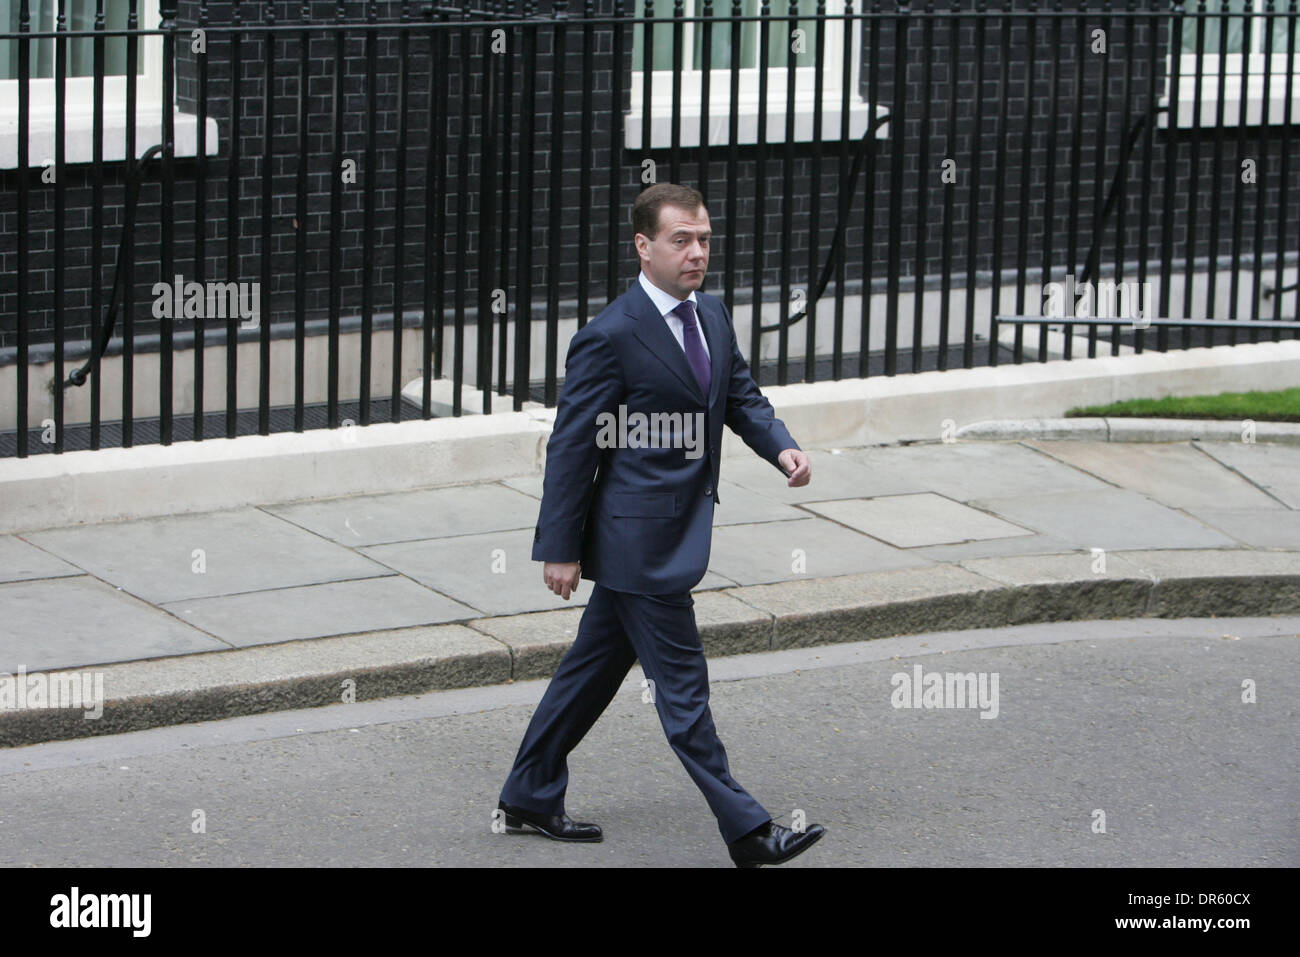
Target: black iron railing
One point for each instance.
(465, 173)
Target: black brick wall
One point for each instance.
(1024, 184)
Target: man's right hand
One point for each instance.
(562, 577)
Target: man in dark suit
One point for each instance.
(632, 510)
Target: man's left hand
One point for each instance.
(797, 466)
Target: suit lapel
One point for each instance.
(653, 333)
(715, 335)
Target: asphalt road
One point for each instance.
(1142, 721)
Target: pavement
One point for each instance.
(208, 616)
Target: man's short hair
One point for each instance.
(645, 211)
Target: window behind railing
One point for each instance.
(80, 15)
(779, 44)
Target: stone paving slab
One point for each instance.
(1111, 518)
(835, 475)
(201, 556)
(68, 622)
(1030, 544)
(492, 572)
(738, 505)
(320, 611)
(920, 518)
(1255, 527)
(530, 485)
(965, 471)
(1274, 468)
(405, 516)
(1179, 476)
(810, 548)
(22, 561)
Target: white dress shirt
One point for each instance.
(666, 303)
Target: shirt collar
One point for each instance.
(664, 302)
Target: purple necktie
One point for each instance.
(695, 354)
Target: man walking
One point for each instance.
(634, 514)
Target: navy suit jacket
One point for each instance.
(641, 519)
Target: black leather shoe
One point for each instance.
(773, 844)
(557, 828)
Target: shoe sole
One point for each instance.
(518, 824)
(789, 857)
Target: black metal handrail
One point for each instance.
(866, 144)
(1138, 323)
(79, 377)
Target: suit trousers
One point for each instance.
(617, 629)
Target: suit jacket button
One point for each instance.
(708, 491)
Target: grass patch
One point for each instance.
(1280, 406)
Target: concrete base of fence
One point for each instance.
(45, 491)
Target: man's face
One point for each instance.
(678, 257)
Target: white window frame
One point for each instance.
(1250, 66)
(79, 111)
(805, 107)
